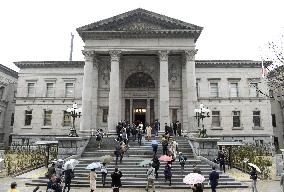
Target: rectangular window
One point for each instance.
(49, 89)
(256, 118)
(273, 120)
(236, 119)
(2, 92)
(174, 115)
(69, 90)
(216, 119)
(214, 91)
(28, 117)
(197, 89)
(234, 90)
(105, 114)
(12, 119)
(47, 118)
(31, 89)
(66, 119)
(253, 91)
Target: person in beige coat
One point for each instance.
(93, 181)
(149, 132)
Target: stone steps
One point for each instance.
(135, 176)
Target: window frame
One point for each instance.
(255, 116)
(27, 115)
(53, 89)
(273, 119)
(233, 115)
(45, 118)
(64, 121)
(256, 89)
(105, 115)
(31, 94)
(218, 91)
(73, 89)
(237, 89)
(219, 118)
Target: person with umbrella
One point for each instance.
(116, 180)
(104, 173)
(93, 181)
(195, 181)
(253, 176)
(156, 165)
(168, 173)
(213, 179)
(150, 177)
(68, 176)
(198, 187)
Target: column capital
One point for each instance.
(163, 54)
(115, 55)
(89, 55)
(189, 54)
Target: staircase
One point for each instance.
(135, 176)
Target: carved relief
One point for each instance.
(189, 54)
(89, 55)
(139, 26)
(104, 69)
(114, 55)
(163, 55)
(139, 80)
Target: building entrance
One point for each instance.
(139, 115)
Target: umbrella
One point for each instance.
(193, 178)
(1, 159)
(106, 159)
(255, 166)
(94, 165)
(70, 164)
(165, 158)
(154, 142)
(60, 160)
(145, 162)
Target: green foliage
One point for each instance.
(258, 155)
(19, 158)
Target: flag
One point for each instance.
(263, 70)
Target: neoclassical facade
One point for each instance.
(141, 65)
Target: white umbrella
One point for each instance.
(70, 164)
(255, 166)
(1, 159)
(94, 166)
(193, 178)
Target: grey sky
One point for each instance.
(40, 30)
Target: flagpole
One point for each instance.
(71, 48)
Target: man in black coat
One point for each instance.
(213, 178)
(115, 180)
(175, 128)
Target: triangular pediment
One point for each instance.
(139, 20)
(136, 20)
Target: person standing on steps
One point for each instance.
(168, 173)
(165, 146)
(122, 150)
(93, 181)
(156, 127)
(253, 176)
(68, 176)
(140, 135)
(104, 173)
(117, 154)
(213, 179)
(178, 128)
(182, 159)
(175, 128)
(156, 165)
(282, 182)
(116, 180)
(150, 177)
(221, 158)
(149, 132)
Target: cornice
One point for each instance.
(8, 71)
(49, 64)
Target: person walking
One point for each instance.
(134, 131)
(116, 153)
(99, 138)
(213, 179)
(149, 132)
(156, 127)
(150, 177)
(221, 158)
(116, 180)
(93, 181)
(182, 159)
(175, 128)
(122, 150)
(165, 146)
(68, 176)
(174, 147)
(104, 173)
(197, 187)
(139, 135)
(282, 181)
(253, 176)
(196, 169)
(13, 187)
(54, 184)
(51, 170)
(178, 128)
(156, 165)
(124, 136)
(168, 173)
(155, 146)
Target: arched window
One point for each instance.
(140, 80)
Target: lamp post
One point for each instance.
(74, 113)
(200, 114)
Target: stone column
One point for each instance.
(131, 111)
(148, 111)
(191, 97)
(89, 97)
(114, 90)
(164, 89)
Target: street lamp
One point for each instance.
(200, 114)
(74, 113)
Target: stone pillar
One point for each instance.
(114, 90)
(131, 111)
(164, 89)
(191, 97)
(148, 111)
(89, 93)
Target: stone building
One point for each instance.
(141, 65)
(8, 87)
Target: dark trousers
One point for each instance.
(139, 140)
(121, 157)
(222, 167)
(213, 189)
(134, 137)
(182, 168)
(175, 132)
(156, 173)
(167, 178)
(104, 178)
(165, 149)
(116, 159)
(67, 185)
